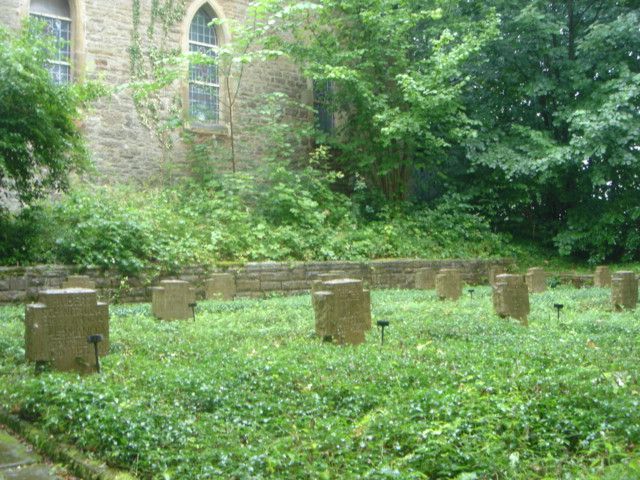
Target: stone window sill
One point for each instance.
(218, 130)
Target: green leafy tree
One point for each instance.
(246, 49)
(557, 95)
(396, 71)
(40, 138)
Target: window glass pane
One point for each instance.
(60, 73)
(203, 78)
(200, 30)
(203, 103)
(203, 72)
(60, 56)
(60, 30)
(58, 8)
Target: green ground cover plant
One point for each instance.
(247, 391)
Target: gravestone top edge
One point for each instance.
(62, 291)
(343, 281)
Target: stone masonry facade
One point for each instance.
(21, 284)
(122, 148)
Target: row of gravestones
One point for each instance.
(343, 308)
(59, 326)
(511, 292)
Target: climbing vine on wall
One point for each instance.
(155, 63)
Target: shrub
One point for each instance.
(40, 141)
(285, 215)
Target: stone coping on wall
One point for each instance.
(253, 279)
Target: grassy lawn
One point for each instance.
(246, 391)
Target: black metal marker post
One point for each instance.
(96, 339)
(382, 324)
(471, 290)
(558, 307)
(193, 309)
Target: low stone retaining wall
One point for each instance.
(20, 284)
(575, 279)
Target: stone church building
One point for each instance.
(96, 40)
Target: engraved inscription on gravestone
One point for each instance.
(57, 327)
(171, 300)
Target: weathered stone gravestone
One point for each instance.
(57, 328)
(170, 300)
(449, 284)
(536, 280)
(79, 281)
(343, 311)
(624, 291)
(425, 279)
(220, 286)
(494, 271)
(511, 297)
(602, 277)
(316, 284)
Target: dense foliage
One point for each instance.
(529, 109)
(393, 71)
(247, 391)
(283, 215)
(557, 96)
(40, 140)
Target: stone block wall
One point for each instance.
(21, 284)
(576, 280)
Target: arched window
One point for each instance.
(56, 14)
(204, 87)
